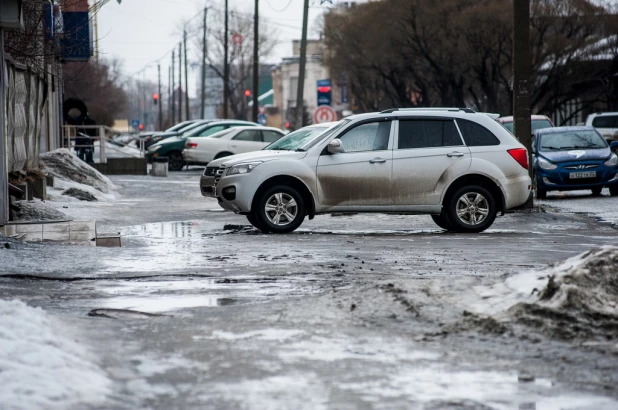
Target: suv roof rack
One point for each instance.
(391, 110)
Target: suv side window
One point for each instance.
(371, 136)
(249, 135)
(476, 135)
(604, 121)
(428, 133)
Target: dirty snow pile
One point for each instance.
(42, 369)
(577, 299)
(74, 178)
(37, 211)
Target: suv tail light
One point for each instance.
(191, 145)
(520, 155)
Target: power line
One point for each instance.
(276, 10)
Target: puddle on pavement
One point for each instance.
(157, 296)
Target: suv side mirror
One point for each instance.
(335, 146)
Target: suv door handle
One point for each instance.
(455, 154)
(377, 161)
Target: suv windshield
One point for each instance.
(304, 138)
(565, 140)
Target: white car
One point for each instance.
(459, 166)
(606, 123)
(238, 140)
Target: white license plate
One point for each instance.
(588, 174)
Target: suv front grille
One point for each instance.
(589, 166)
(218, 174)
(210, 171)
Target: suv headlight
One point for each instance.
(612, 161)
(243, 168)
(544, 164)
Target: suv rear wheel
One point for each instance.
(175, 161)
(471, 209)
(442, 221)
(280, 209)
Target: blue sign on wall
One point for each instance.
(324, 92)
(135, 123)
(76, 39)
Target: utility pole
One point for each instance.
(187, 108)
(180, 82)
(226, 67)
(256, 62)
(160, 102)
(204, 53)
(169, 93)
(301, 69)
(521, 74)
(173, 88)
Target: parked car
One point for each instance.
(160, 136)
(458, 166)
(606, 123)
(537, 122)
(228, 142)
(568, 158)
(172, 147)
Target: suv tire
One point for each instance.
(539, 193)
(255, 223)
(596, 191)
(442, 221)
(613, 190)
(280, 209)
(471, 208)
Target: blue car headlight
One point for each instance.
(544, 164)
(243, 168)
(612, 161)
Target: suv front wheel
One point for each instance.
(280, 209)
(471, 209)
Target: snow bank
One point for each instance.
(576, 299)
(37, 211)
(42, 369)
(72, 173)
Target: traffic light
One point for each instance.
(324, 92)
(141, 127)
(155, 98)
(247, 93)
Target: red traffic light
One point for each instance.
(324, 89)
(247, 93)
(141, 127)
(287, 125)
(155, 96)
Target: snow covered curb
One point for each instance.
(39, 367)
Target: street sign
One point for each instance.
(324, 113)
(134, 124)
(261, 119)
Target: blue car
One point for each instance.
(569, 158)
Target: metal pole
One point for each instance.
(4, 172)
(521, 74)
(301, 69)
(256, 62)
(204, 54)
(226, 67)
(160, 102)
(187, 108)
(180, 82)
(173, 104)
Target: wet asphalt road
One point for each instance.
(349, 312)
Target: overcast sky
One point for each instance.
(138, 32)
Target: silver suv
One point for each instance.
(459, 166)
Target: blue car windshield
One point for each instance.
(566, 140)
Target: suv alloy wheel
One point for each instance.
(471, 209)
(280, 209)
